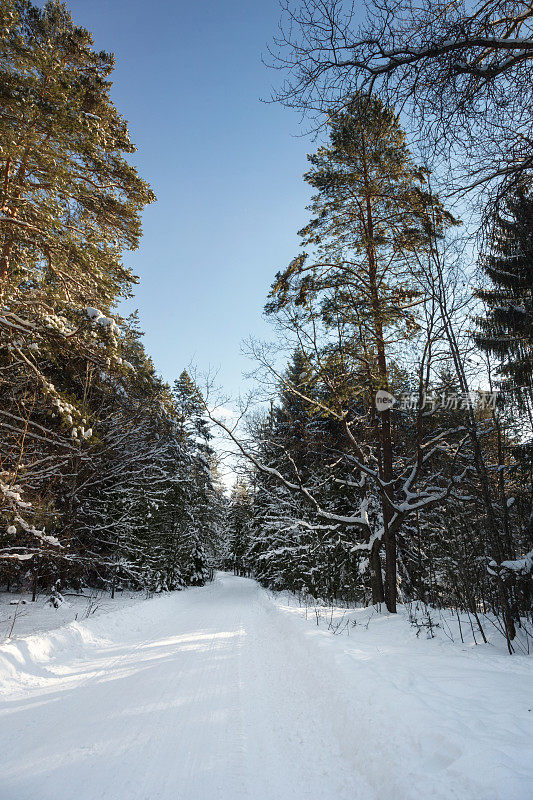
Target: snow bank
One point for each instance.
(43, 636)
(229, 692)
(41, 616)
(436, 718)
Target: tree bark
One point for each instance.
(385, 434)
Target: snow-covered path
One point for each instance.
(219, 694)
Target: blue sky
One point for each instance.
(226, 169)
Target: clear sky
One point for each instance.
(226, 169)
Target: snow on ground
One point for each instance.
(228, 692)
(42, 616)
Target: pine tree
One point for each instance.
(371, 213)
(105, 473)
(70, 200)
(70, 205)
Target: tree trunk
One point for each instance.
(385, 442)
(378, 594)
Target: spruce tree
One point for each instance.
(506, 327)
(238, 527)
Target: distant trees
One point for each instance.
(237, 528)
(102, 474)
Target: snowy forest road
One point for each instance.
(219, 694)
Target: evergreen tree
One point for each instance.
(105, 473)
(204, 500)
(71, 201)
(237, 524)
(506, 328)
(70, 205)
(371, 213)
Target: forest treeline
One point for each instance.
(106, 472)
(395, 462)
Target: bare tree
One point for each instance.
(462, 73)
